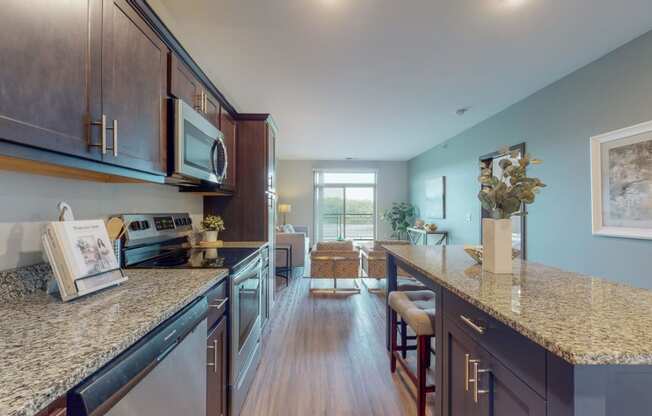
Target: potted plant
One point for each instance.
(399, 216)
(504, 197)
(212, 225)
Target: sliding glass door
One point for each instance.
(345, 205)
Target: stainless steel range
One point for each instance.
(161, 241)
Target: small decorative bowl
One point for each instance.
(475, 252)
(431, 228)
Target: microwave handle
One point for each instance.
(213, 149)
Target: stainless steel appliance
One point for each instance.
(159, 375)
(246, 321)
(198, 151)
(160, 241)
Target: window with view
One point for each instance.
(345, 205)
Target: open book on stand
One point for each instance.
(81, 256)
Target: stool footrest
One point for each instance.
(403, 362)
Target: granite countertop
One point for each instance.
(47, 347)
(582, 319)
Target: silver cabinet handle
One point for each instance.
(466, 372)
(200, 97)
(205, 103)
(219, 305)
(476, 380)
(102, 124)
(103, 129)
(215, 360)
(115, 138)
(477, 328)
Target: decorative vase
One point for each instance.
(497, 246)
(210, 236)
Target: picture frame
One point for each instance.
(621, 182)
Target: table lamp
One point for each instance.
(284, 209)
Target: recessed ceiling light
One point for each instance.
(514, 3)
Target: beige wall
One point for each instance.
(295, 187)
(28, 201)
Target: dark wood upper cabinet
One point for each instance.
(68, 66)
(184, 84)
(211, 109)
(134, 89)
(217, 370)
(228, 128)
(49, 53)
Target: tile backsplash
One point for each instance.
(27, 202)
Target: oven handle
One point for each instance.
(248, 272)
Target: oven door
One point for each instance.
(245, 318)
(200, 153)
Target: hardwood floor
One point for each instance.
(325, 355)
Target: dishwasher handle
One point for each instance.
(98, 393)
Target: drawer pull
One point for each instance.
(477, 328)
(219, 305)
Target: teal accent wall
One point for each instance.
(555, 123)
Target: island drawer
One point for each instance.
(217, 298)
(523, 357)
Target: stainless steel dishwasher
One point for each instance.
(164, 373)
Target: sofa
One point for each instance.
(296, 237)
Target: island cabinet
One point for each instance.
(93, 85)
(477, 383)
(538, 342)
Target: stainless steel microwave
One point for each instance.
(198, 150)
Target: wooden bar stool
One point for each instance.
(417, 308)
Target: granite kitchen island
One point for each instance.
(547, 341)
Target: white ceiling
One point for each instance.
(381, 79)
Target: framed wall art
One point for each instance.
(621, 182)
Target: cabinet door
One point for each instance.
(459, 351)
(48, 59)
(509, 395)
(134, 88)
(211, 109)
(271, 157)
(228, 128)
(183, 83)
(217, 371)
(476, 383)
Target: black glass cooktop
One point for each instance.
(198, 258)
